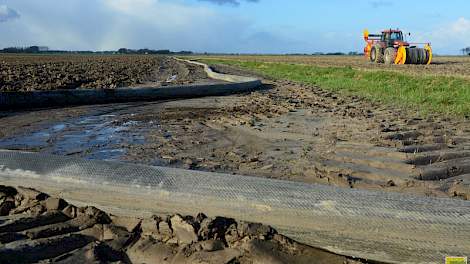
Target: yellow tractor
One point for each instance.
(390, 48)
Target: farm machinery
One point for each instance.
(389, 47)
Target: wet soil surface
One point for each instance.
(94, 134)
(38, 228)
(53, 72)
(286, 131)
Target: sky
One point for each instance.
(230, 26)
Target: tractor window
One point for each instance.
(385, 36)
(397, 36)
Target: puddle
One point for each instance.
(93, 137)
(58, 127)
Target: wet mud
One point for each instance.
(38, 228)
(286, 131)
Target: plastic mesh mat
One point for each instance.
(388, 227)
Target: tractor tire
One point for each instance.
(421, 56)
(373, 54)
(390, 55)
(408, 56)
(418, 56)
(376, 54)
(414, 56)
(424, 56)
(380, 54)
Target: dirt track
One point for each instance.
(41, 72)
(38, 228)
(288, 131)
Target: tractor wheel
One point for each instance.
(390, 55)
(426, 53)
(424, 56)
(416, 55)
(408, 56)
(379, 54)
(373, 54)
(412, 57)
(421, 56)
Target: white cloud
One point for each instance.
(7, 13)
(461, 26)
(113, 24)
(160, 14)
(449, 37)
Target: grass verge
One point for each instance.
(425, 94)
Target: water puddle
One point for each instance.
(93, 137)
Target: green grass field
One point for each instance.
(426, 94)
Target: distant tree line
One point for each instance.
(150, 51)
(32, 49)
(41, 49)
(352, 53)
(466, 51)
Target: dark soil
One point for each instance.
(41, 72)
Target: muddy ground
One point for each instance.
(52, 72)
(38, 228)
(285, 131)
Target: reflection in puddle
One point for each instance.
(93, 137)
(58, 127)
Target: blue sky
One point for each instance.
(245, 26)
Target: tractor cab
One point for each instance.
(393, 38)
(392, 35)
